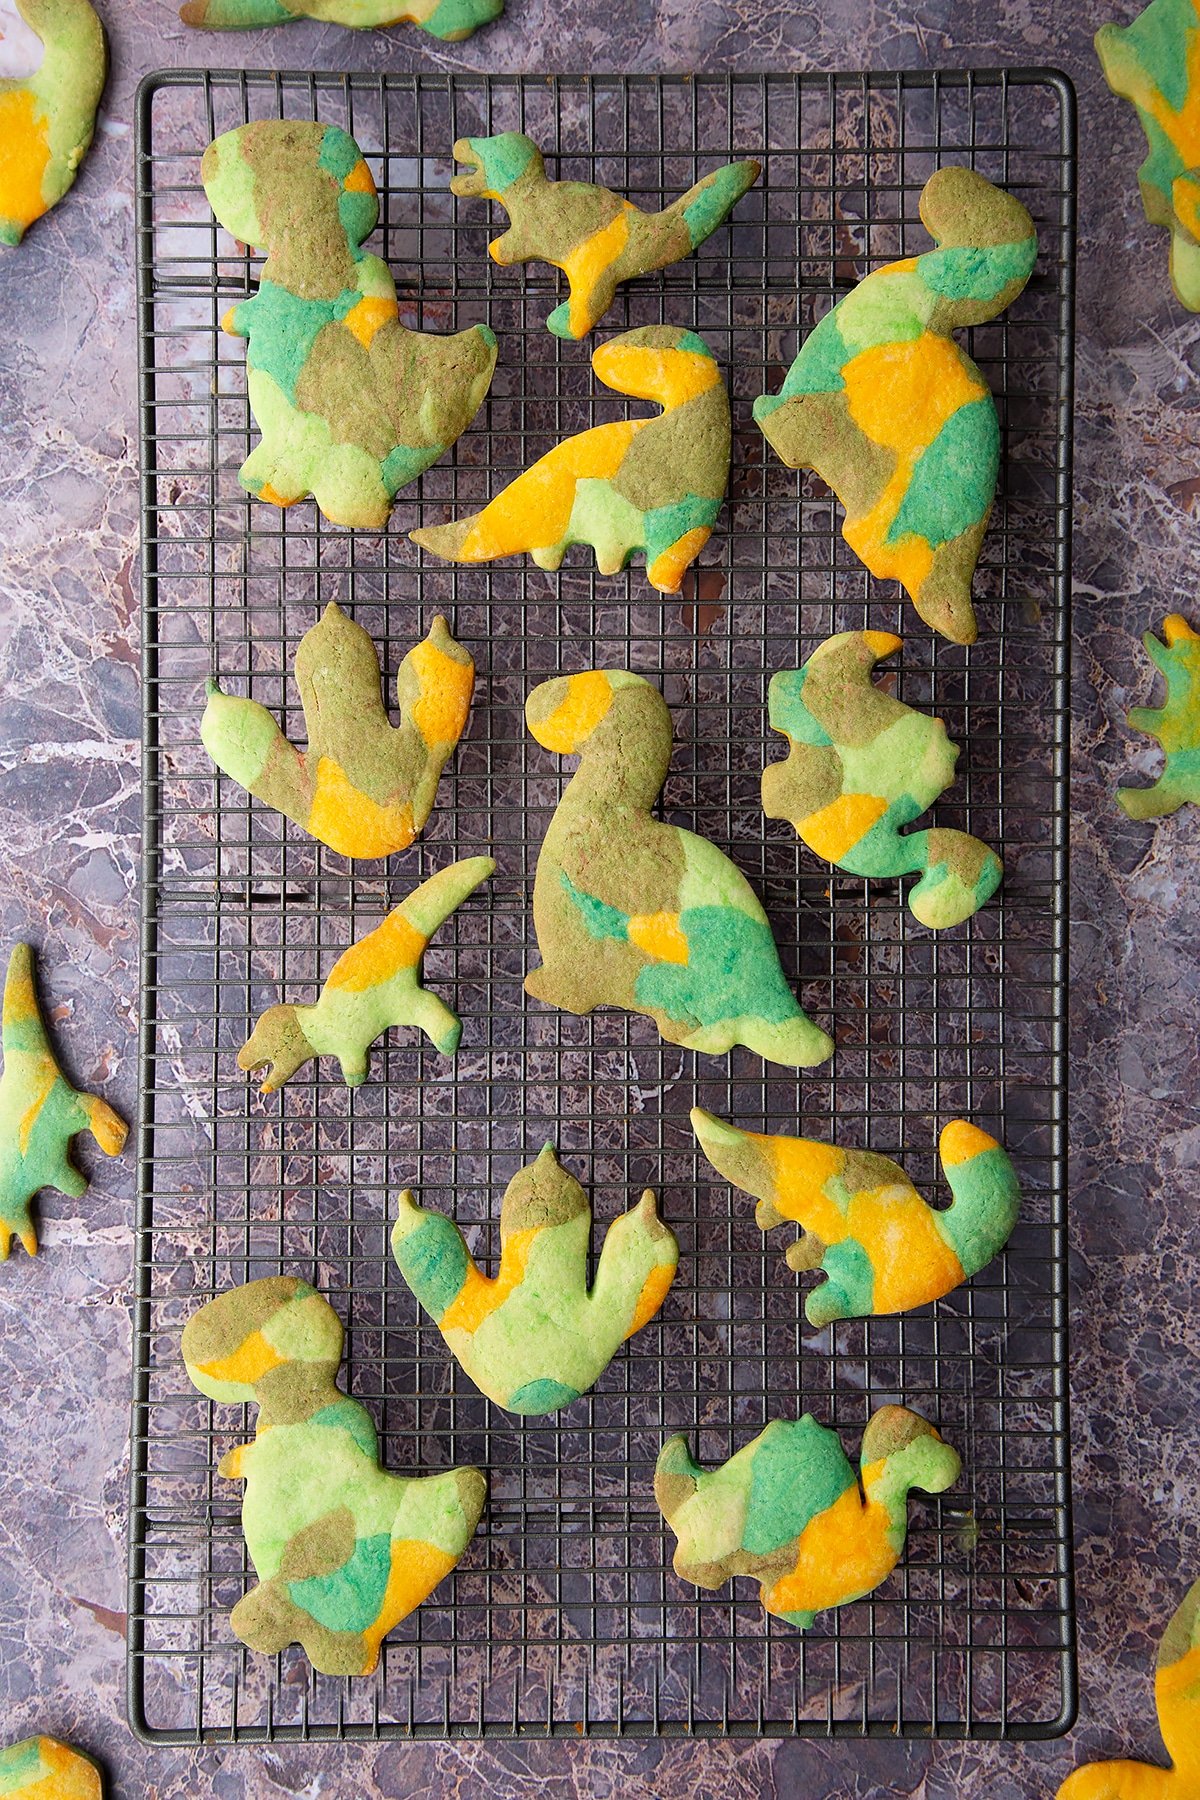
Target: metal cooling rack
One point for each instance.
(565, 1615)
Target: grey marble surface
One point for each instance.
(69, 816)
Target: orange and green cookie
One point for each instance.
(47, 118)
(351, 404)
(40, 1768)
(1176, 723)
(449, 20)
(886, 407)
(342, 1550)
(534, 1337)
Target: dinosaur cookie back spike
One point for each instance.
(450, 20)
(40, 1768)
(1176, 723)
(47, 119)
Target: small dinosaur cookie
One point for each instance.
(1176, 723)
(450, 20)
(860, 767)
(351, 404)
(47, 118)
(40, 1768)
(597, 238)
(788, 1509)
(534, 1337)
(343, 1551)
(364, 786)
(887, 408)
(652, 485)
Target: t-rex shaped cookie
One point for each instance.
(373, 985)
(1176, 723)
(882, 1248)
(40, 1112)
(861, 766)
(449, 20)
(343, 1550)
(47, 118)
(351, 403)
(597, 238)
(364, 786)
(633, 912)
(652, 485)
(40, 1768)
(534, 1337)
(888, 410)
(788, 1510)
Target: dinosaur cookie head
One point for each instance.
(565, 714)
(292, 184)
(657, 362)
(232, 1346)
(276, 1044)
(497, 163)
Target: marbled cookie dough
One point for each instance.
(450, 20)
(47, 118)
(1176, 723)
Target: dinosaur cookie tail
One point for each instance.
(961, 875)
(234, 15)
(987, 245)
(987, 1194)
(795, 1043)
(711, 201)
(430, 905)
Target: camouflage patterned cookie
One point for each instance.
(1176, 723)
(40, 1768)
(351, 404)
(47, 118)
(450, 20)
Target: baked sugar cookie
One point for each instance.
(41, 1768)
(1176, 723)
(450, 20)
(47, 119)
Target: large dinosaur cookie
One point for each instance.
(652, 485)
(597, 238)
(446, 19)
(636, 913)
(351, 404)
(47, 118)
(887, 408)
(343, 1551)
(363, 786)
(40, 1112)
(788, 1509)
(1176, 723)
(534, 1337)
(40, 1768)
(881, 1247)
(860, 767)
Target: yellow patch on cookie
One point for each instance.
(252, 1359)
(366, 318)
(588, 261)
(478, 1296)
(654, 1292)
(836, 828)
(659, 935)
(572, 722)
(961, 1141)
(446, 685)
(843, 1552)
(350, 822)
(24, 155)
(416, 1568)
(392, 946)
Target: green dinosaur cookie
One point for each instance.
(1176, 723)
(595, 237)
(364, 786)
(449, 20)
(888, 410)
(373, 985)
(788, 1510)
(40, 1768)
(861, 765)
(636, 913)
(534, 1337)
(343, 1551)
(47, 118)
(40, 1112)
(652, 485)
(351, 404)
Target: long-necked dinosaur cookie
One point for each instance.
(351, 404)
(343, 1551)
(882, 1248)
(449, 20)
(40, 1112)
(372, 986)
(1176, 723)
(861, 766)
(635, 913)
(787, 1509)
(535, 1337)
(47, 118)
(886, 407)
(40, 1768)
(597, 238)
(652, 485)
(363, 786)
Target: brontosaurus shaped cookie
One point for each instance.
(887, 408)
(788, 1510)
(597, 238)
(343, 1551)
(363, 786)
(633, 912)
(351, 403)
(1176, 723)
(40, 1768)
(652, 485)
(860, 767)
(534, 1337)
(450, 20)
(882, 1248)
(40, 1112)
(47, 118)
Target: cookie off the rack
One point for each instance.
(47, 119)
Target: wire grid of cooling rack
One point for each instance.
(565, 1615)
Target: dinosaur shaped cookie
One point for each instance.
(887, 408)
(882, 1248)
(652, 485)
(636, 913)
(597, 238)
(40, 1768)
(788, 1509)
(343, 1551)
(861, 765)
(535, 1337)
(40, 1112)
(364, 786)
(1176, 723)
(373, 985)
(351, 404)
(450, 20)
(47, 118)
